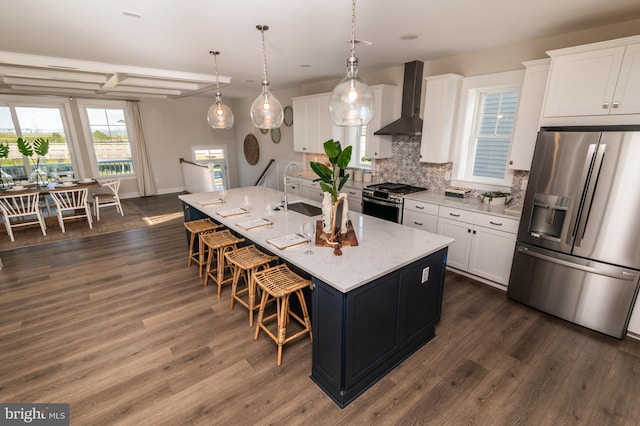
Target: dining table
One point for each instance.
(30, 187)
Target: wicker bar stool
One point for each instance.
(196, 227)
(246, 261)
(216, 244)
(278, 283)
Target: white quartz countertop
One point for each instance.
(383, 246)
(511, 210)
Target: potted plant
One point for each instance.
(40, 147)
(5, 178)
(495, 198)
(329, 179)
(331, 182)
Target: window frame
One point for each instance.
(63, 105)
(354, 135)
(83, 105)
(468, 116)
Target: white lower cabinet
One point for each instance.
(483, 244)
(354, 197)
(312, 191)
(419, 215)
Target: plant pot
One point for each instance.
(495, 198)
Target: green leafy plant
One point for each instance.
(329, 178)
(4, 153)
(40, 147)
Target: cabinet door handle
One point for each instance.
(418, 223)
(474, 232)
(454, 215)
(420, 207)
(495, 223)
(469, 231)
(615, 105)
(605, 105)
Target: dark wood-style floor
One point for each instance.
(117, 326)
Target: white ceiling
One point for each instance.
(90, 47)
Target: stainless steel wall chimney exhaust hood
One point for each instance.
(409, 123)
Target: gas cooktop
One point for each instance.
(394, 188)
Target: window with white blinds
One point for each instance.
(492, 133)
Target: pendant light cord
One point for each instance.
(215, 61)
(353, 29)
(264, 54)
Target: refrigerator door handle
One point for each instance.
(584, 179)
(588, 200)
(618, 275)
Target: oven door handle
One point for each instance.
(380, 202)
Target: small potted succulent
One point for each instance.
(495, 198)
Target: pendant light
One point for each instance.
(266, 110)
(219, 115)
(351, 102)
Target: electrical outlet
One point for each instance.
(425, 274)
(524, 184)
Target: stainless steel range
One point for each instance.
(386, 200)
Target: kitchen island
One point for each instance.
(371, 307)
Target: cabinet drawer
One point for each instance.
(353, 194)
(419, 206)
(426, 222)
(480, 219)
(311, 184)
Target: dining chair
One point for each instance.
(111, 199)
(74, 201)
(19, 210)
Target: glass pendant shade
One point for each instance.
(219, 115)
(266, 110)
(351, 102)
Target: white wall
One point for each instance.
(172, 127)
(248, 174)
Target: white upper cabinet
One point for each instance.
(600, 79)
(440, 106)
(383, 114)
(312, 125)
(529, 114)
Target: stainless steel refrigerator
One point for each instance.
(578, 250)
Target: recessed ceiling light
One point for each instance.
(131, 14)
(409, 37)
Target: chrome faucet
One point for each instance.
(287, 180)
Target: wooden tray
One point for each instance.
(347, 240)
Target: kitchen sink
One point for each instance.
(305, 209)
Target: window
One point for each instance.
(491, 137)
(31, 122)
(357, 138)
(109, 139)
(215, 157)
(486, 121)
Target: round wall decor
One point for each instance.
(264, 131)
(251, 149)
(288, 116)
(275, 135)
